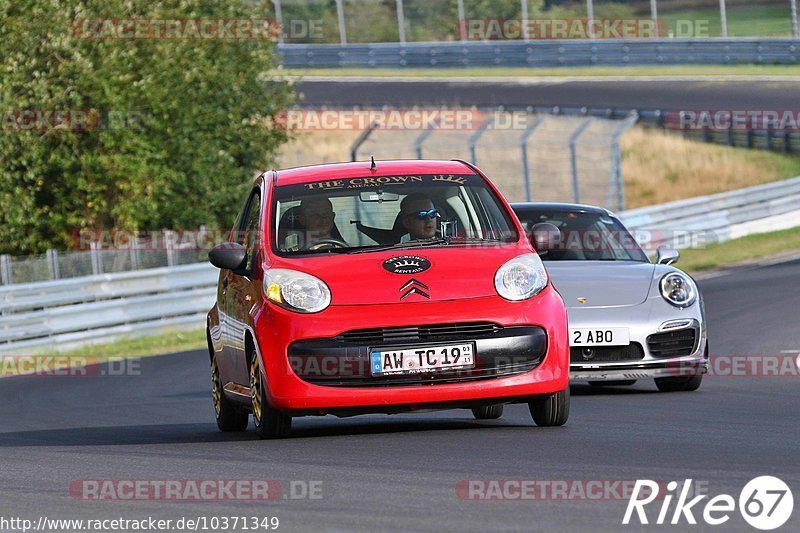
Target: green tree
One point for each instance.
(183, 124)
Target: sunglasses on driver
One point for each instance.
(425, 215)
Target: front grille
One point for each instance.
(672, 343)
(499, 351)
(605, 354)
(436, 332)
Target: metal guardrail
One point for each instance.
(718, 217)
(98, 308)
(544, 53)
(76, 311)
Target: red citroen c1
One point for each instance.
(382, 288)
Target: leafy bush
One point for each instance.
(177, 128)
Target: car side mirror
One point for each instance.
(544, 236)
(667, 256)
(228, 256)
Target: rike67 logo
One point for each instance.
(766, 503)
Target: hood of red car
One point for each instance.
(414, 275)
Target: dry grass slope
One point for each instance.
(660, 166)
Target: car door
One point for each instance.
(239, 296)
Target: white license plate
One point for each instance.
(599, 337)
(428, 359)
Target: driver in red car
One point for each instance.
(316, 215)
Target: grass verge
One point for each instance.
(741, 250)
(170, 342)
(752, 21)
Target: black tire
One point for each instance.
(681, 384)
(269, 422)
(617, 383)
(488, 412)
(229, 417)
(552, 410)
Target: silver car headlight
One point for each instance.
(521, 278)
(678, 289)
(296, 290)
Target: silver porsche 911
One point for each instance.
(629, 319)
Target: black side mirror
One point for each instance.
(544, 236)
(228, 256)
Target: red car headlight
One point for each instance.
(521, 278)
(296, 290)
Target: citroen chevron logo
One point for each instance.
(413, 286)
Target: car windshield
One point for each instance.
(362, 214)
(585, 236)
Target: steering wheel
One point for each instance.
(327, 243)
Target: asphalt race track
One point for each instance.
(400, 472)
(647, 93)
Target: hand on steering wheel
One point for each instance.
(327, 243)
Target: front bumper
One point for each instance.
(675, 367)
(664, 342)
(527, 357)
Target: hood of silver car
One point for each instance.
(586, 284)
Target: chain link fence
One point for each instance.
(135, 255)
(529, 156)
(401, 21)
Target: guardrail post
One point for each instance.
(5, 269)
(523, 146)
(169, 244)
(526, 32)
(422, 137)
(723, 18)
(787, 142)
(52, 264)
(361, 139)
(97, 263)
(462, 23)
(615, 183)
(401, 21)
(475, 137)
(573, 157)
(340, 18)
(278, 19)
(135, 261)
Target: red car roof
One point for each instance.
(296, 175)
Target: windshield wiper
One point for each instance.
(403, 245)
